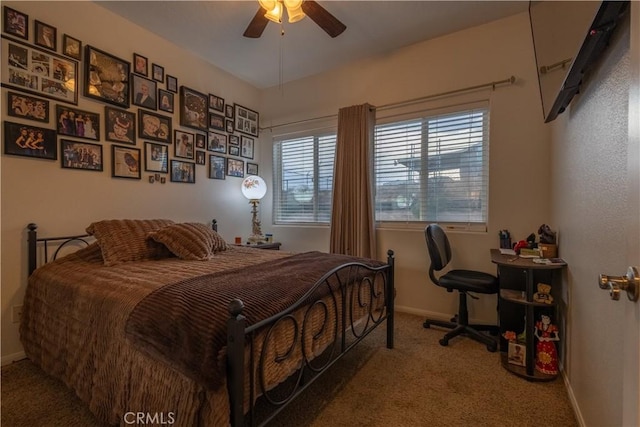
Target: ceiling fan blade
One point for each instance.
(329, 23)
(257, 25)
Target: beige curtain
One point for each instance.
(352, 221)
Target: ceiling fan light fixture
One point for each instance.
(295, 14)
(275, 14)
(267, 4)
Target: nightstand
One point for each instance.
(274, 246)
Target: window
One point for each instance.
(303, 179)
(434, 168)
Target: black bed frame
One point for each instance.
(271, 402)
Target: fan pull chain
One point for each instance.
(281, 49)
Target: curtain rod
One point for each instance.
(492, 85)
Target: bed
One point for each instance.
(165, 323)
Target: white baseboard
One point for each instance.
(572, 399)
(10, 358)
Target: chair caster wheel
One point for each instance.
(443, 342)
(426, 325)
(492, 347)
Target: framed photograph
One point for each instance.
(217, 167)
(16, 23)
(183, 171)
(125, 162)
(77, 123)
(27, 107)
(201, 141)
(216, 103)
(106, 77)
(234, 140)
(235, 167)
(246, 147)
(193, 109)
(29, 69)
(46, 35)
(516, 354)
(184, 145)
(154, 127)
(157, 73)
(30, 141)
(172, 84)
(120, 125)
(156, 157)
(228, 111)
(71, 47)
(252, 169)
(229, 125)
(140, 65)
(246, 120)
(234, 150)
(144, 92)
(81, 155)
(166, 100)
(216, 121)
(201, 157)
(217, 142)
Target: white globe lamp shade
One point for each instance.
(254, 187)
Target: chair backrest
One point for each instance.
(439, 249)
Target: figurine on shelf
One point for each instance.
(544, 294)
(547, 355)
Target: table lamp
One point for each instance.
(254, 188)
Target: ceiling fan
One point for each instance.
(271, 10)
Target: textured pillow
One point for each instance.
(190, 241)
(124, 240)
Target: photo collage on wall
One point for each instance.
(139, 97)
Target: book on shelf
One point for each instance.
(550, 261)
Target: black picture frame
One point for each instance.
(30, 141)
(252, 168)
(235, 167)
(216, 121)
(154, 127)
(217, 142)
(16, 23)
(27, 107)
(234, 150)
(184, 145)
(184, 172)
(156, 157)
(228, 111)
(201, 141)
(106, 77)
(140, 65)
(216, 102)
(229, 125)
(71, 47)
(246, 120)
(234, 140)
(46, 35)
(165, 100)
(247, 147)
(157, 73)
(39, 72)
(81, 155)
(172, 84)
(119, 125)
(217, 167)
(125, 162)
(201, 157)
(193, 109)
(144, 92)
(77, 123)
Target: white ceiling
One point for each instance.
(213, 30)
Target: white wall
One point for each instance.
(63, 201)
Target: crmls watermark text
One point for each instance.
(144, 418)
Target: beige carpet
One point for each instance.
(418, 383)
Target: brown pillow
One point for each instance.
(190, 241)
(124, 240)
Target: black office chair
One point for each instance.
(463, 281)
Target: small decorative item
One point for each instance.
(193, 109)
(106, 77)
(216, 121)
(172, 84)
(156, 158)
(246, 120)
(543, 295)
(29, 141)
(252, 169)
(46, 36)
(16, 23)
(154, 126)
(247, 147)
(166, 100)
(546, 353)
(71, 47)
(158, 73)
(125, 162)
(216, 103)
(77, 123)
(120, 125)
(140, 65)
(216, 167)
(516, 354)
(183, 171)
(27, 107)
(81, 155)
(235, 167)
(144, 92)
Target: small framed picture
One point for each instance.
(157, 72)
(216, 121)
(246, 149)
(246, 121)
(252, 169)
(120, 125)
(144, 92)
(228, 111)
(193, 109)
(235, 167)
(516, 354)
(229, 125)
(156, 157)
(16, 23)
(106, 77)
(184, 144)
(201, 141)
(234, 150)
(125, 162)
(81, 155)
(217, 167)
(201, 157)
(154, 126)
(27, 107)
(71, 47)
(172, 84)
(46, 35)
(77, 123)
(216, 103)
(234, 140)
(183, 171)
(217, 142)
(166, 100)
(140, 65)
(30, 141)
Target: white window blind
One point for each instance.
(433, 168)
(303, 179)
